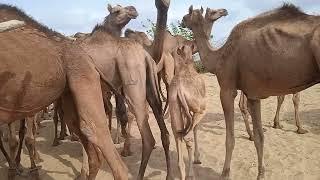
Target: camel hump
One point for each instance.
(12, 24)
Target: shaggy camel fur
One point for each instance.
(272, 54)
(127, 65)
(36, 59)
(245, 113)
(187, 106)
(166, 64)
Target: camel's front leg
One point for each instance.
(245, 114)
(296, 102)
(56, 141)
(255, 111)
(276, 118)
(190, 147)
(227, 100)
(196, 145)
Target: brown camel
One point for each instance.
(166, 64)
(187, 106)
(127, 65)
(38, 65)
(245, 113)
(272, 54)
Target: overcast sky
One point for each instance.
(71, 16)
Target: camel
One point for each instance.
(38, 66)
(187, 106)
(272, 54)
(125, 64)
(166, 64)
(245, 113)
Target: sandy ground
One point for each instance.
(288, 156)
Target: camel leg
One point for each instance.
(165, 137)
(181, 165)
(258, 136)
(63, 132)
(30, 144)
(22, 132)
(12, 171)
(13, 141)
(189, 140)
(56, 141)
(227, 100)
(196, 145)
(108, 110)
(162, 76)
(296, 102)
(245, 114)
(91, 160)
(136, 96)
(276, 118)
(88, 99)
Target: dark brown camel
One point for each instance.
(272, 54)
(37, 59)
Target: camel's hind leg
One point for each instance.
(258, 136)
(276, 117)
(296, 102)
(12, 167)
(86, 90)
(22, 133)
(136, 96)
(245, 114)
(30, 144)
(56, 141)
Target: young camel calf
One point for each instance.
(187, 105)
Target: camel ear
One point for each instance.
(190, 9)
(201, 10)
(109, 8)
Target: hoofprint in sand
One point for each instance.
(288, 156)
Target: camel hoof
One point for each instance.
(225, 175)
(37, 159)
(12, 172)
(169, 177)
(302, 131)
(197, 162)
(126, 153)
(117, 141)
(34, 173)
(74, 138)
(277, 126)
(251, 138)
(190, 178)
(260, 177)
(81, 177)
(56, 143)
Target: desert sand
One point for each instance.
(288, 156)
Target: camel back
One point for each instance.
(8, 12)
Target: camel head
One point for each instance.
(184, 58)
(120, 16)
(215, 14)
(138, 36)
(195, 17)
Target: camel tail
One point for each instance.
(152, 80)
(187, 113)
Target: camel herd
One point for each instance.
(272, 54)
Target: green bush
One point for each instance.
(199, 67)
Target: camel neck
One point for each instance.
(208, 55)
(112, 29)
(159, 35)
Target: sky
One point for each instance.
(71, 16)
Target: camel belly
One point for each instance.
(31, 75)
(277, 70)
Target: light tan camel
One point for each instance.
(272, 54)
(127, 65)
(38, 65)
(166, 64)
(245, 113)
(187, 106)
